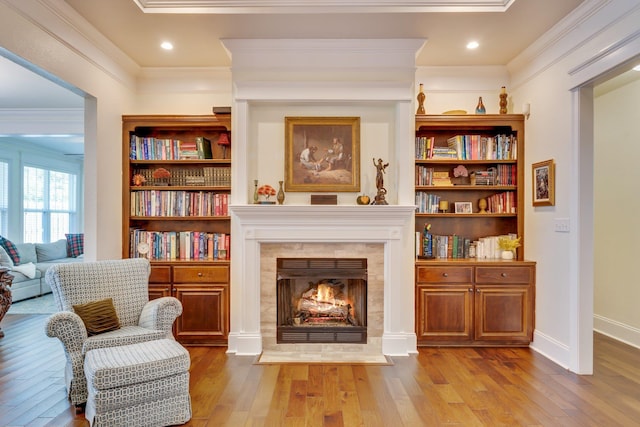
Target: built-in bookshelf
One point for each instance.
(176, 189)
(469, 179)
(460, 160)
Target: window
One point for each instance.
(4, 198)
(50, 205)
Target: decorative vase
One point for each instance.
(255, 191)
(503, 100)
(480, 107)
(421, 98)
(280, 196)
(507, 255)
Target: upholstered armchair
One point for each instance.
(125, 282)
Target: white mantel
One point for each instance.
(258, 224)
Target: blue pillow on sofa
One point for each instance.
(27, 253)
(51, 251)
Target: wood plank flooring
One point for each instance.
(437, 387)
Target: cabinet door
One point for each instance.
(159, 290)
(503, 313)
(205, 316)
(159, 281)
(444, 312)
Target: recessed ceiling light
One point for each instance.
(473, 45)
(166, 45)
(636, 68)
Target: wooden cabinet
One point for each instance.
(203, 290)
(175, 213)
(478, 303)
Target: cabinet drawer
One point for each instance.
(435, 274)
(503, 275)
(201, 274)
(160, 274)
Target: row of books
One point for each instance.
(213, 176)
(458, 247)
(441, 246)
(180, 245)
(502, 203)
(468, 147)
(499, 175)
(150, 148)
(427, 203)
(178, 203)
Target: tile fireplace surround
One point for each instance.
(377, 233)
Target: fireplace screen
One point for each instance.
(322, 300)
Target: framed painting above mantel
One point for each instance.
(322, 154)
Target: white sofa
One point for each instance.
(43, 256)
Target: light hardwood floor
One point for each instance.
(438, 387)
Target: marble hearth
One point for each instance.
(381, 234)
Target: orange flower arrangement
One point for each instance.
(138, 180)
(267, 191)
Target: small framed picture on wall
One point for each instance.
(544, 183)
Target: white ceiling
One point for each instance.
(503, 28)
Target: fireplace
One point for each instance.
(321, 300)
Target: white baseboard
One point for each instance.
(551, 349)
(616, 330)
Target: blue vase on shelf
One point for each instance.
(480, 107)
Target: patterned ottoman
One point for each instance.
(145, 384)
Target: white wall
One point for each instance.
(548, 75)
(617, 150)
(267, 136)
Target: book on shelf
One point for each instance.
(204, 147)
(188, 150)
(441, 179)
(426, 202)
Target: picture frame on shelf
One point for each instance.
(543, 193)
(322, 154)
(463, 207)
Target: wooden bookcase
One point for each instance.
(186, 211)
(461, 300)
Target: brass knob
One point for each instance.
(445, 274)
(199, 274)
(504, 274)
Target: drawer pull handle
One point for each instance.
(470, 289)
(503, 274)
(199, 274)
(445, 274)
(478, 290)
(166, 289)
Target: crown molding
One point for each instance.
(321, 6)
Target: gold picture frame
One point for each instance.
(322, 154)
(543, 180)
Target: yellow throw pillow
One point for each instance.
(98, 316)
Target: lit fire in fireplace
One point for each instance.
(324, 303)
